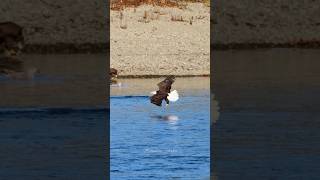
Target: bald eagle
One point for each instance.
(113, 75)
(164, 92)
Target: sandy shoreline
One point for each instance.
(192, 85)
(151, 40)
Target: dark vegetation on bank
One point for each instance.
(246, 46)
(104, 47)
(157, 76)
(66, 48)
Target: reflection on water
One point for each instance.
(63, 80)
(268, 124)
(166, 117)
(171, 119)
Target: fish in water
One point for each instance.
(164, 92)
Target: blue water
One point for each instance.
(151, 142)
(53, 143)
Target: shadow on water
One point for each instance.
(269, 110)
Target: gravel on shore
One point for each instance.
(150, 40)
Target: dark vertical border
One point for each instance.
(211, 84)
(107, 18)
(212, 157)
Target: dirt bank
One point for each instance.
(265, 23)
(152, 40)
(57, 25)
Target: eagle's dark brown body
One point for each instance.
(164, 90)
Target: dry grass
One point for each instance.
(123, 24)
(149, 16)
(177, 18)
(195, 1)
(121, 4)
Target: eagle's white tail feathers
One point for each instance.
(153, 92)
(173, 96)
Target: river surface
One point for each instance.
(151, 142)
(269, 114)
(55, 126)
(268, 128)
(63, 80)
